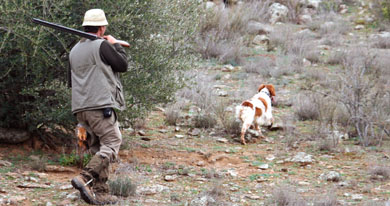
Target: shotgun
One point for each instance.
(74, 31)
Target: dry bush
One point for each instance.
(381, 43)
(325, 145)
(290, 134)
(333, 24)
(329, 199)
(39, 164)
(336, 57)
(305, 107)
(380, 172)
(285, 66)
(199, 90)
(260, 65)
(284, 196)
(172, 113)
(280, 37)
(297, 45)
(221, 31)
(376, 203)
(122, 186)
(363, 96)
(204, 121)
(226, 118)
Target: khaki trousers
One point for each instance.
(104, 140)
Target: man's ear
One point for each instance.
(261, 87)
(271, 89)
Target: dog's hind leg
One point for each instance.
(245, 126)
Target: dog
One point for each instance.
(257, 111)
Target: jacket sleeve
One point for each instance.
(114, 55)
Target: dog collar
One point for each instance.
(266, 92)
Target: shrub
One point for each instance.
(260, 65)
(363, 96)
(326, 200)
(39, 164)
(222, 30)
(172, 115)
(380, 171)
(381, 9)
(204, 121)
(122, 186)
(305, 108)
(73, 159)
(284, 196)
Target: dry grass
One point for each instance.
(329, 199)
(284, 196)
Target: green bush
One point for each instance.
(73, 159)
(33, 81)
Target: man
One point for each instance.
(96, 91)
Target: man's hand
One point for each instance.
(110, 39)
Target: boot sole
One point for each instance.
(83, 192)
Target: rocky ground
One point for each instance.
(182, 165)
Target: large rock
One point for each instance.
(278, 12)
(301, 158)
(311, 3)
(13, 136)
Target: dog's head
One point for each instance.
(271, 90)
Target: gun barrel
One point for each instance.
(65, 29)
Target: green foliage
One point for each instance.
(73, 159)
(33, 81)
(386, 10)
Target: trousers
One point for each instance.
(104, 140)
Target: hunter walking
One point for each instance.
(96, 91)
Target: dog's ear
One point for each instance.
(262, 86)
(271, 89)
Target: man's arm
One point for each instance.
(114, 55)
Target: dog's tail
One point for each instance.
(239, 110)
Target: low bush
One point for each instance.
(284, 196)
(204, 121)
(305, 107)
(122, 186)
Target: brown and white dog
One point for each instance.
(257, 110)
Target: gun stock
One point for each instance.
(73, 31)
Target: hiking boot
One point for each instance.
(82, 184)
(105, 198)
